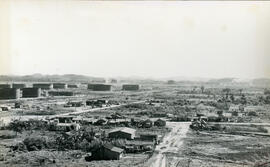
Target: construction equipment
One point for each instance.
(199, 123)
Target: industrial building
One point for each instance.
(31, 92)
(106, 152)
(59, 85)
(60, 93)
(73, 86)
(5, 86)
(18, 86)
(43, 85)
(9, 93)
(99, 87)
(130, 87)
(122, 133)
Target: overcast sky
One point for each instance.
(149, 39)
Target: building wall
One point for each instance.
(99, 87)
(111, 155)
(19, 86)
(59, 85)
(72, 86)
(31, 92)
(130, 87)
(9, 93)
(121, 135)
(149, 137)
(60, 93)
(105, 154)
(43, 86)
(5, 86)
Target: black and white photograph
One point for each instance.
(104, 83)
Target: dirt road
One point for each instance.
(7, 119)
(172, 143)
(97, 109)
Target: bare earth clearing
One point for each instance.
(172, 143)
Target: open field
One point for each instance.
(236, 132)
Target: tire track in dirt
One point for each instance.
(172, 143)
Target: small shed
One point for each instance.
(106, 152)
(160, 122)
(5, 108)
(146, 124)
(122, 133)
(65, 119)
(76, 103)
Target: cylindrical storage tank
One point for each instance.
(31, 92)
(130, 87)
(5, 86)
(18, 86)
(43, 85)
(99, 87)
(9, 93)
(59, 85)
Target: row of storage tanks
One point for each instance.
(17, 90)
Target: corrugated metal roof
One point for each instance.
(113, 148)
(124, 129)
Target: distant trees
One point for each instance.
(264, 99)
(267, 99)
(232, 97)
(171, 82)
(266, 92)
(202, 89)
(243, 99)
(17, 126)
(226, 91)
(252, 113)
(240, 91)
(220, 113)
(194, 89)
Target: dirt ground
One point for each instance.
(183, 147)
(172, 144)
(69, 159)
(222, 150)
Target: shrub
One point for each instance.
(35, 143)
(252, 113)
(19, 126)
(234, 113)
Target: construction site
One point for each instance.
(158, 125)
(93, 83)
